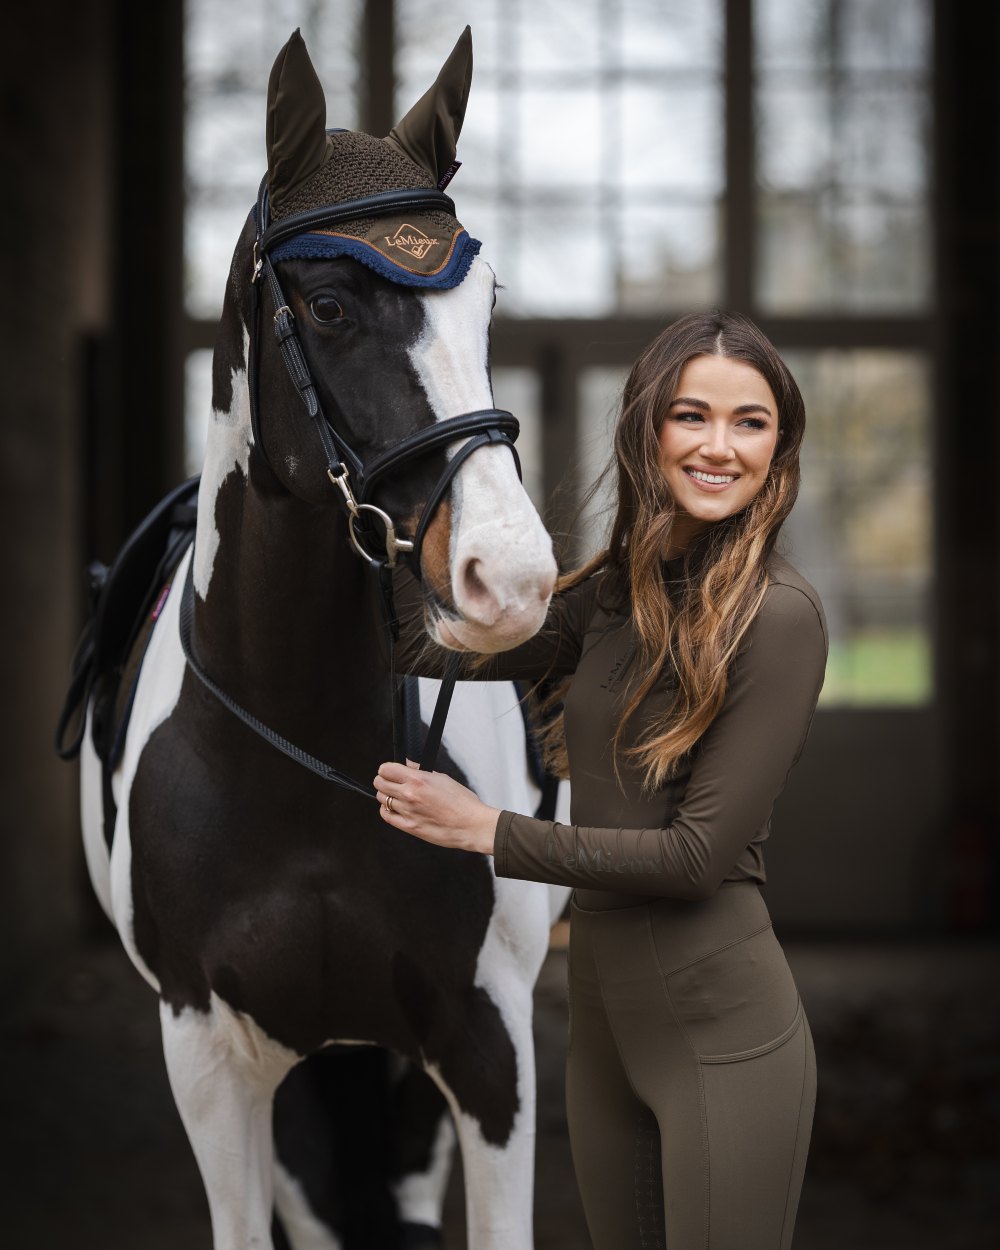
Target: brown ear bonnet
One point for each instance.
(310, 168)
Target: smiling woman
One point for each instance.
(693, 657)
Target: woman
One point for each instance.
(696, 656)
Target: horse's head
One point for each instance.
(373, 393)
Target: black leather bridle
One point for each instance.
(355, 480)
(345, 469)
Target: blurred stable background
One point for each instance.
(829, 167)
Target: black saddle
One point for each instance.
(121, 600)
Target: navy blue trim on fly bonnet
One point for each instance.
(322, 245)
(406, 238)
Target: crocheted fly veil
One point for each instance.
(310, 168)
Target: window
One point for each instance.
(230, 46)
(842, 206)
(593, 147)
(842, 244)
(862, 524)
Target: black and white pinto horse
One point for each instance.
(274, 913)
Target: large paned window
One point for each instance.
(625, 161)
(862, 526)
(230, 46)
(842, 107)
(842, 103)
(593, 148)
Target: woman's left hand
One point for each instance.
(435, 807)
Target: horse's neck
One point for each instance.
(285, 618)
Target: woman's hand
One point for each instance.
(435, 807)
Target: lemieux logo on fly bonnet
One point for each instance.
(409, 239)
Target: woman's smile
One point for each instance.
(710, 480)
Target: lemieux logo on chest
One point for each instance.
(617, 669)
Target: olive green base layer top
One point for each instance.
(691, 1079)
(709, 822)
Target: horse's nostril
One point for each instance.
(492, 595)
(474, 585)
(477, 600)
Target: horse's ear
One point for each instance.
(296, 120)
(428, 134)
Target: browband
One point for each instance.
(381, 204)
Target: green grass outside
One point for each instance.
(879, 667)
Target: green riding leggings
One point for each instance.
(691, 1078)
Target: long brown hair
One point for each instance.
(697, 629)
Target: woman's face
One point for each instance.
(717, 439)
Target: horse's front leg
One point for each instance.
(423, 1152)
(496, 1131)
(224, 1072)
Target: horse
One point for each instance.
(273, 912)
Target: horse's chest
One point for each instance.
(289, 898)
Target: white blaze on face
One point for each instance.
(502, 568)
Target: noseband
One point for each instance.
(345, 469)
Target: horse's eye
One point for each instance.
(325, 309)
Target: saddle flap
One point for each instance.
(121, 597)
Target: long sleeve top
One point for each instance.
(706, 826)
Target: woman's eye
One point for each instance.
(689, 416)
(755, 423)
(325, 308)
